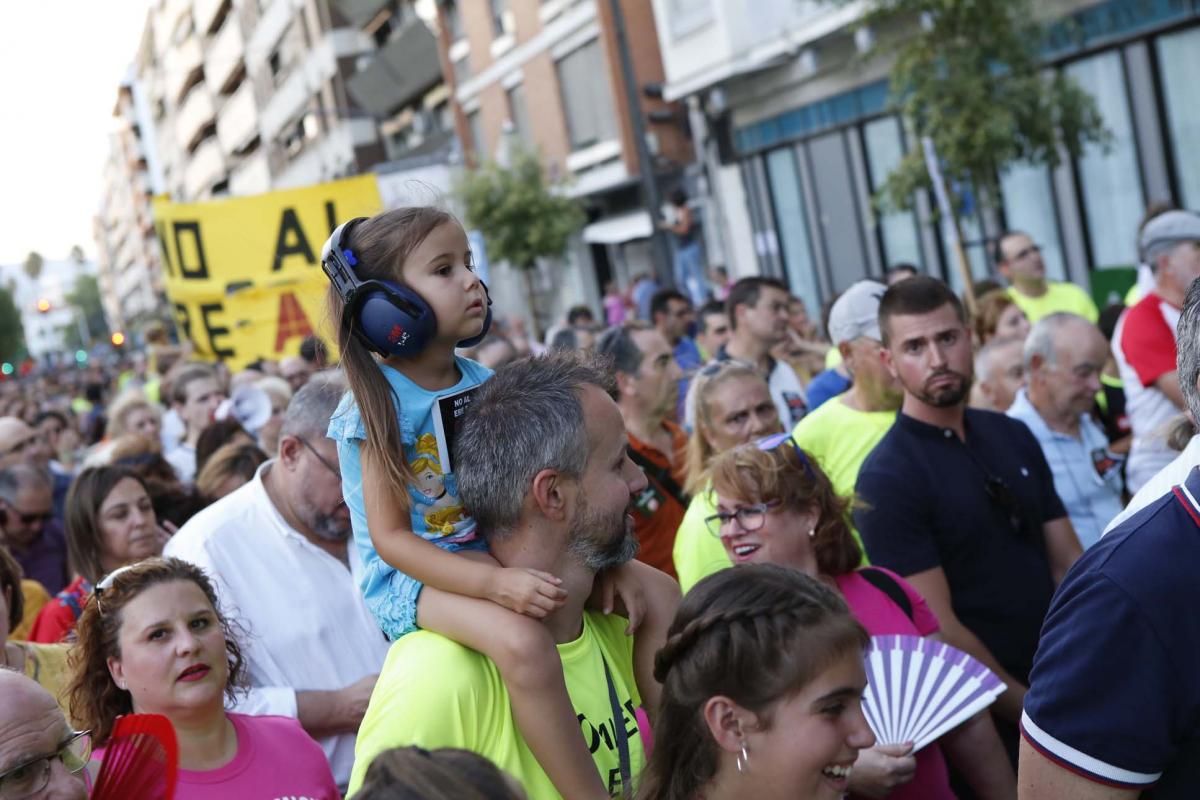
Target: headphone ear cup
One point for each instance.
(392, 319)
(487, 321)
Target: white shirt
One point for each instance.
(306, 623)
(1164, 480)
(183, 459)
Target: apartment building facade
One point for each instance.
(796, 132)
(547, 74)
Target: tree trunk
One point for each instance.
(531, 302)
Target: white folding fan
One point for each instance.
(918, 689)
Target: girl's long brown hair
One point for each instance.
(757, 634)
(381, 245)
(95, 699)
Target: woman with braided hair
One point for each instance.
(774, 505)
(762, 680)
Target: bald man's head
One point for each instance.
(20, 443)
(33, 727)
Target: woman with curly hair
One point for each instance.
(153, 640)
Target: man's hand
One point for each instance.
(353, 700)
(882, 768)
(527, 591)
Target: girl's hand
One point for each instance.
(621, 584)
(527, 591)
(882, 768)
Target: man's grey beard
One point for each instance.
(600, 544)
(326, 527)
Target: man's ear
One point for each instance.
(885, 354)
(728, 722)
(625, 384)
(289, 451)
(550, 492)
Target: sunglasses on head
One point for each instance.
(772, 442)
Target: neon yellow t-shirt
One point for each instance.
(1058, 297)
(436, 693)
(840, 438)
(833, 357)
(697, 552)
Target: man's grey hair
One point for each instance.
(528, 417)
(22, 476)
(1043, 336)
(1187, 345)
(308, 412)
(987, 354)
(617, 344)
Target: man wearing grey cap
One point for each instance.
(1144, 341)
(843, 431)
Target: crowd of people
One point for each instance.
(640, 557)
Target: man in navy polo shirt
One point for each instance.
(960, 501)
(1114, 706)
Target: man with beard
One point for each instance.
(543, 463)
(647, 380)
(960, 501)
(277, 549)
(843, 432)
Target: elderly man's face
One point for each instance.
(1070, 384)
(316, 485)
(601, 532)
(33, 728)
(24, 518)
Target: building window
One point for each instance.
(587, 96)
(898, 230)
(518, 112)
(1177, 54)
(502, 20)
(1029, 207)
(475, 127)
(1109, 179)
(454, 23)
(686, 16)
(792, 219)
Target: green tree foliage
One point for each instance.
(12, 332)
(969, 74)
(520, 216)
(33, 265)
(86, 297)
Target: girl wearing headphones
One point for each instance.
(404, 288)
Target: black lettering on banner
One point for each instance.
(164, 247)
(184, 320)
(199, 270)
(615, 787)
(291, 240)
(214, 331)
(331, 220)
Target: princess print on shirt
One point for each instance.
(433, 498)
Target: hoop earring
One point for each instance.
(743, 759)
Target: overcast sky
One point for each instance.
(60, 64)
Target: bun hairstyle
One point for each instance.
(414, 773)
(756, 634)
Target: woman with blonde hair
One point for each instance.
(131, 412)
(731, 405)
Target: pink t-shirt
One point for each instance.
(882, 617)
(276, 760)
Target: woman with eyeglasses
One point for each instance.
(153, 640)
(774, 505)
(41, 757)
(731, 405)
(110, 522)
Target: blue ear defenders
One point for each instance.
(390, 319)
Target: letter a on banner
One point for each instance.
(292, 321)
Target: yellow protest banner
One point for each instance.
(243, 274)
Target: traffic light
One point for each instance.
(43, 305)
(118, 339)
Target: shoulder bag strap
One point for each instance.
(619, 733)
(661, 476)
(887, 584)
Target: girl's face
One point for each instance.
(814, 737)
(128, 527)
(1013, 324)
(172, 650)
(144, 421)
(441, 271)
